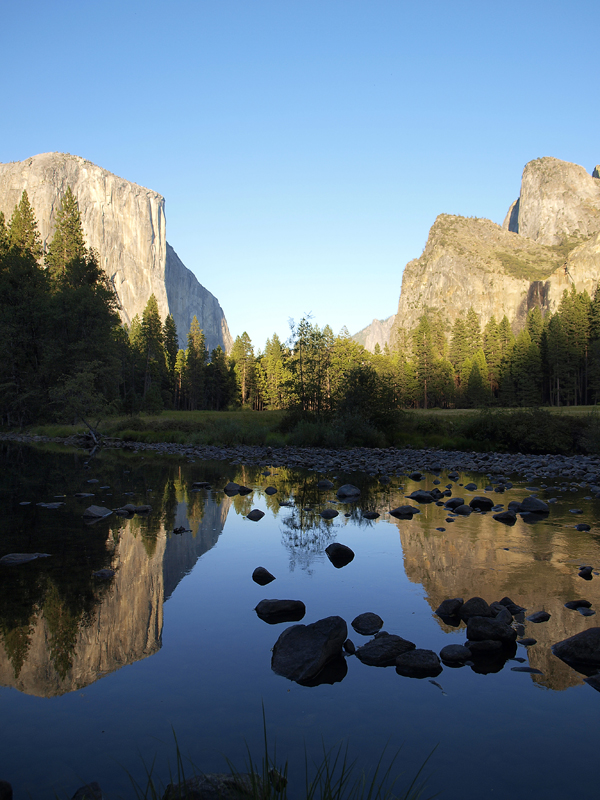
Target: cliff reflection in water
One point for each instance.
(59, 637)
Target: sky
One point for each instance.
(305, 147)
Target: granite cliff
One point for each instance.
(126, 225)
(549, 242)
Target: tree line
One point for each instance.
(66, 354)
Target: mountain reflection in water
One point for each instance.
(62, 629)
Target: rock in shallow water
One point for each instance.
(14, 559)
(255, 515)
(418, 663)
(262, 576)
(302, 651)
(539, 616)
(367, 624)
(455, 654)
(483, 628)
(339, 554)
(583, 648)
(274, 611)
(383, 651)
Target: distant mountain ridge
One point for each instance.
(549, 241)
(125, 223)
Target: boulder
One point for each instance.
(270, 490)
(243, 490)
(90, 791)
(348, 491)
(463, 510)
(450, 607)
(404, 512)
(302, 651)
(216, 786)
(482, 503)
(262, 576)
(480, 629)
(535, 505)
(367, 624)
(370, 515)
(329, 513)
(384, 650)
(484, 647)
(421, 496)
(255, 515)
(475, 607)
(583, 526)
(96, 512)
(324, 485)
(454, 502)
(471, 487)
(506, 517)
(146, 509)
(231, 488)
(339, 554)
(538, 616)
(418, 664)
(575, 604)
(455, 654)
(274, 611)
(583, 648)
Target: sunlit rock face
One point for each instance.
(557, 200)
(125, 626)
(509, 269)
(125, 223)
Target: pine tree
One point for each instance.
(424, 358)
(23, 231)
(67, 244)
(171, 348)
(3, 235)
(196, 357)
(472, 332)
(154, 354)
(242, 356)
(535, 325)
(493, 353)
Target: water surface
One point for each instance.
(96, 675)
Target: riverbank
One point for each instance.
(382, 462)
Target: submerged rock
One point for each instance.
(418, 664)
(274, 611)
(367, 624)
(255, 515)
(348, 491)
(384, 650)
(404, 512)
(583, 648)
(302, 651)
(14, 559)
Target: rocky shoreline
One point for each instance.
(380, 462)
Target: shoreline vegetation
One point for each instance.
(529, 431)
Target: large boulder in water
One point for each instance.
(418, 663)
(274, 611)
(339, 554)
(302, 651)
(348, 491)
(482, 629)
(581, 649)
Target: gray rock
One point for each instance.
(421, 496)
(475, 607)
(262, 576)
(585, 572)
(575, 604)
(90, 791)
(384, 650)
(593, 681)
(506, 517)
(418, 663)
(370, 515)
(484, 647)
(539, 616)
(349, 647)
(450, 607)
(504, 616)
(583, 526)
(339, 554)
(367, 624)
(471, 487)
(348, 491)
(583, 648)
(329, 513)
(586, 612)
(463, 510)
(255, 515)
(528, 642)
(455, 654)
(480, 629)
(274, 611)
(302, 651)
(216, 786)
(270, 490)
(324, 485)
(404, 512)
(231, 488)
(454, 502)
(482, 503)
(415, 476)
(534, 505)
(14, 559)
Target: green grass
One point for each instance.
(334, 777)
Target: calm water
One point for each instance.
(95, 676)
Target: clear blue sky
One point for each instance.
(305, 147)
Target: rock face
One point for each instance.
(125, 223)
(557, 200)
(509, 269)
(378, 332)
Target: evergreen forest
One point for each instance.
(67, 356)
